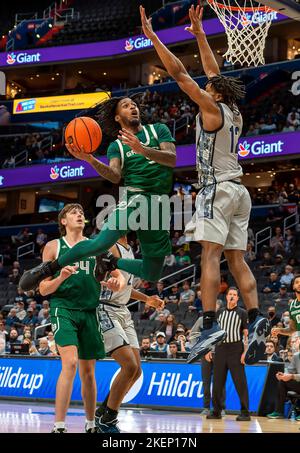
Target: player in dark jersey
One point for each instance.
(294, 309)
(74, 300)
(145, 156)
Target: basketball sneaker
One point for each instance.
(258, 332)
(206, 341)
(90, 430)
(108, 427)
(59, 430)
(105, 262)
(31, 279)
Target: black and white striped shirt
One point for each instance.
(233, 322)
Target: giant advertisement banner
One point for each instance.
(264, 146)
(162, 384)
(117, 47)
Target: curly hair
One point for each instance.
(230, 88)
(104, 113)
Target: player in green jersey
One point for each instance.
(145, 157)
(75, 296)
(294, 309)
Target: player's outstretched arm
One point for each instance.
(209, 63)
(152, 301)
(50, 285)
(112, 172)
(177, 70)
(292, 328)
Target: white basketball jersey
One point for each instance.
(217, 158)
(120, 297)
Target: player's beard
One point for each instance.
(134, 122)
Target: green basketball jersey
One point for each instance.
(295, 313)
(81, 291)
(140, 172)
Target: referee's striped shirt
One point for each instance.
(233, 322)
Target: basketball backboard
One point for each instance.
(290, 8)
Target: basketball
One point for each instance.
(84, 131)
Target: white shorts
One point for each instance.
(117, 327)
(222, 216)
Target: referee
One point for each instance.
(230, 355)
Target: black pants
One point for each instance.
(207, 377)
(228, 357)
(283, 388)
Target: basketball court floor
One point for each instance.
(21, 417)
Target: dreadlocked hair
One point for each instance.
(104, 113)
(230, 88)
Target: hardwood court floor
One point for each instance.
(38, 418)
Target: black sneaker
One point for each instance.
(258, 332)
(214, 416)
(108, 427)
(243, 418)
(32, 278)
(98, 413)
(59, 430)
(105, 262)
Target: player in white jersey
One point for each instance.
(120, 340)
(223, 203)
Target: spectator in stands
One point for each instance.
(281, 297)
(223, 284)
(46, 318)
(271, 355)
(44, 347)
(276, 242)
(173, 296)
(51, 342)
(41, 239)
(160, 344)
(272, 217)
(45, 306)
(145, 347)
(267, 261)
(21, 312)
(273, 285)
(182, 259)
(26, 333)
(287, 382)
(22, 237)
(173, 350)
(181, 339)
(3, 329)
(175, 239)
(13, 336)
(278, 267)
(250, 255)
(169, 263)
(273, 318)
(288, 276)
(2, 345)
(32, 348)
(14, 277)
(30, 318)
(147, 312)
(289, 241)
(12, 320)
(269, 127)
(293, 194)
(20, 297)
(160, 291)
(197, 303)
(169, 327)
(288, 127)
(160, 315)
(187, 295)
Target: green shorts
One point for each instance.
(78, 328)
(149, 216)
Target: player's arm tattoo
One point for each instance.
(166, 155)
(112, 172)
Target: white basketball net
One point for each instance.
(246, 24)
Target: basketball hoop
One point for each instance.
(246, 23)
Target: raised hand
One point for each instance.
(156, 302)
(146, 24)
(67, 271)
(196, 15)
(128, 138)
(79, 154)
